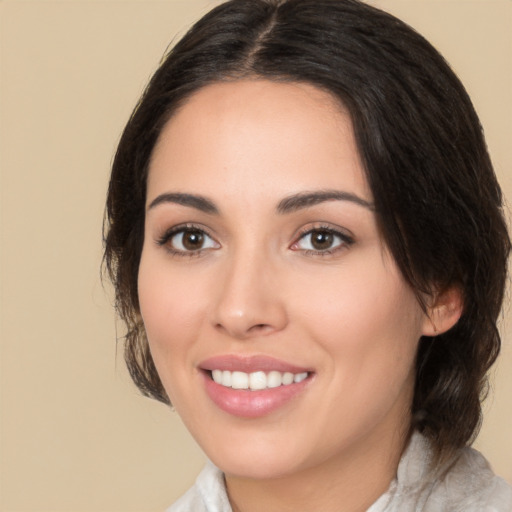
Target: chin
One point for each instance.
(257, 468)
(258, 459)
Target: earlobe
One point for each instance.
(444, 313)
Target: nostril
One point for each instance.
(260, 327)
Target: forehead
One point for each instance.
(248, 133)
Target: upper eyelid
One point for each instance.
(343, 232)
(347, 240)
(164, 241)
(174, 230)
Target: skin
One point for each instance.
(257, 288)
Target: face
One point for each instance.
(281, 328)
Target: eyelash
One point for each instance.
(163, 241)
(346, 240)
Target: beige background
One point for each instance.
(75, 434)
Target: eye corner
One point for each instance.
(174, 240)
(329, 240)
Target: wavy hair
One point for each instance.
(437, 200)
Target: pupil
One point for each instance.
(322, 240)
(193, 240)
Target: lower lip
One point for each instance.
(252, 404)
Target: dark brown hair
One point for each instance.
(437, 199)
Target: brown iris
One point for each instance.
(322, 240)
(192, 240)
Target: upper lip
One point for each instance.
(248, 364)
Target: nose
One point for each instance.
(250, 301)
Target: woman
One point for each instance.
(306, 238)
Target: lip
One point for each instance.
(247, 403)
(250, 364)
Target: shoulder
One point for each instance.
(191, 500)
(470, 485)
(466, 483)
(208, 494)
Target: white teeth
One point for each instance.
(274, 379)
(256, 380)
(217, 376)
(239, 380)
(287, 378)
(226, 378)
(300, 377)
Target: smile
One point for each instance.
(256, 381)
(254, 386)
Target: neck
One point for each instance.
(351, 482)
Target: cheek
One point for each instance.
(366, 318)
(173, 306)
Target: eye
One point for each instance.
(322, 240)
(187, 240)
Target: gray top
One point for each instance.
(464, 484)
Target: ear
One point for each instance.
(444, 312)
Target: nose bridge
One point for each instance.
(249, 303)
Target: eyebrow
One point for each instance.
(307, 199)
(287, 205)
(194, 201)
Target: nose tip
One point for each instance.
(249, 304)
(240, 325)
